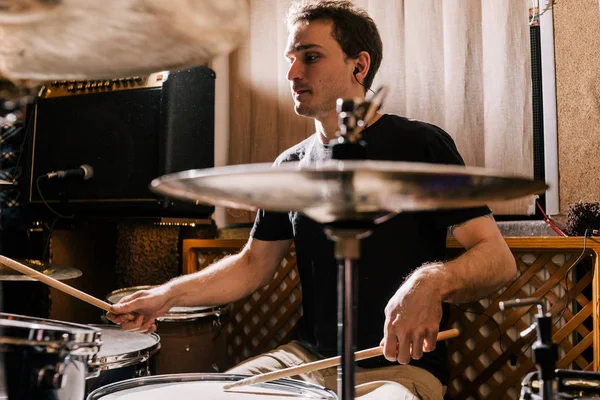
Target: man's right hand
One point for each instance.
(138, 311)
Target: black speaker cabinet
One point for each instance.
(129, 131)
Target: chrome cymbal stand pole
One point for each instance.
(354, 116)
(347, 253)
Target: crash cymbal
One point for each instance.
(345, 190)
(58, 272)
(80, 39)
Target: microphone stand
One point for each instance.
(545, 352)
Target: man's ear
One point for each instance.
(363, 64)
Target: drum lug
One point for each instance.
(142, 372)
(217, 326)
(51, 376)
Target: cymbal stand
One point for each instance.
(347, 253)
(545, 353)
(354, 116)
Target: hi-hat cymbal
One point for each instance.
(80, 39)
(58, 272)
(345, 190)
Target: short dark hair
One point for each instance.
(353, 29)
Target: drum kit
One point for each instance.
(84, 39)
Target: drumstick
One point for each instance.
(54, 283)
(322, 364)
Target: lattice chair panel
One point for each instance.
(490, 358)
(264, 319)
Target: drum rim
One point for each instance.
(193, 313)
(79, 339)
(99, 393)
(121, 360)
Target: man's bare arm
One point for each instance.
(414, 312)
(486, 266)
(221, 283)
(231, 278)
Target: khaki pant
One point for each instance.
(393, 382)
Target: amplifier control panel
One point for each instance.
(74, 88)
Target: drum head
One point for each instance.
(120, 346)
(208, 386)
(175, 313)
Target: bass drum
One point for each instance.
(123, 355)
(569, 385)
(209, 387)
(191, 338)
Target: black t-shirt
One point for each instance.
(395, 248)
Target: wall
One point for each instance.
(577, 51)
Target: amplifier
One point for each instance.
(129, 130)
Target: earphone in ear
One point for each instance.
(356, 71)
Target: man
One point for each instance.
(334, 51)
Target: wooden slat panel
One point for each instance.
(490, 364)
(531, 280)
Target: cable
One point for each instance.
(548, 221)
(555, 322)
(361, 84)
(489, 318)
(37, 184)
(27, 127)
(47, 244)
(566, 288)
(567, 275)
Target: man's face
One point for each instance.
(318, 72)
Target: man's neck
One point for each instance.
(327, 128)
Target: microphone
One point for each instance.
(85, 171)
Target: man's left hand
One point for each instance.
(412, 318)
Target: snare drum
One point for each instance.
(46, 359)
(190, 337)
(209, 387)
(123, 355)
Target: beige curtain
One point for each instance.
(463, 65)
